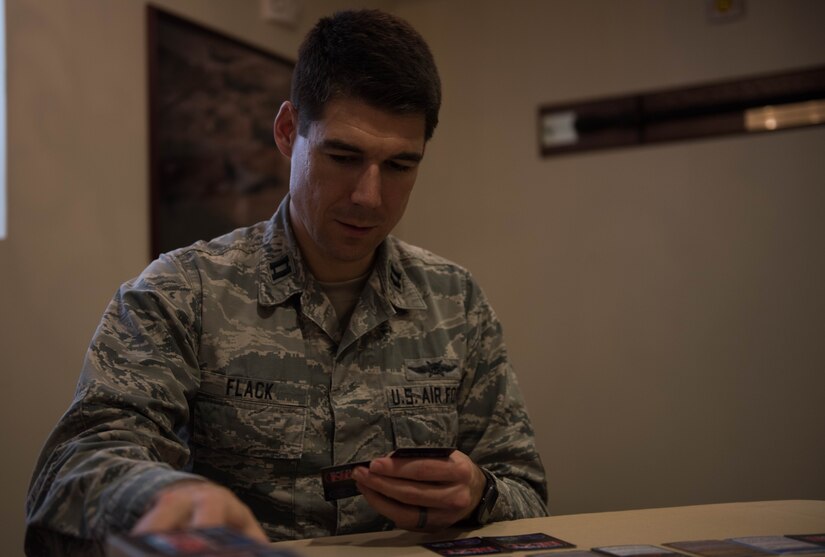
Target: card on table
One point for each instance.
(422, 452)
(779, 545)
(818, 539)
(635, 550)
(717, 548)
(465, 546)
(526, 542)
(338, 482)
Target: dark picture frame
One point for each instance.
(213, 163)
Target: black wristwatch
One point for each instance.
(488, 498)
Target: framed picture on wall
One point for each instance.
(214, 165)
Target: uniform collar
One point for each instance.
(282, 273)
(396, 285)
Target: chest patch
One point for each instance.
(432, 368)
(422, 395)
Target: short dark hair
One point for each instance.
(367, 55)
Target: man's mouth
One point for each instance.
(357, 228)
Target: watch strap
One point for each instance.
(488, 498)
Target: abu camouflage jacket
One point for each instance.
(224, 360)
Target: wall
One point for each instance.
(78, 195)
(663, 306)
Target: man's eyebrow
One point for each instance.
(411, 156)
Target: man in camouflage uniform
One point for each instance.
(223, 378)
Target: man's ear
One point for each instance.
(285, 128)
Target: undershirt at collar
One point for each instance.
(344, 296)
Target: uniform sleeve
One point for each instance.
(125, 435)
(494, 427)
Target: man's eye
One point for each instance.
(343, 159)
(400, 167)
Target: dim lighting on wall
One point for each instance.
(793, 115)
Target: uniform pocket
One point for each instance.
(423, 414)
(263, 419)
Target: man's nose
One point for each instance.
(367, 190)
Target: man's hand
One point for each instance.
(197, 504)
(409, 491)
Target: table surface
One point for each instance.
(648, 526)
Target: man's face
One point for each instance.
(350, 181)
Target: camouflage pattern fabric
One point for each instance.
(224, 360)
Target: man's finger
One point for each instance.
(418, 469)
(254, 531)
(407, 517)
(169, 516)
(241, 517)
(199, 505)
(409, 492)
(205, 516)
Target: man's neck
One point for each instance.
(337, 273)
